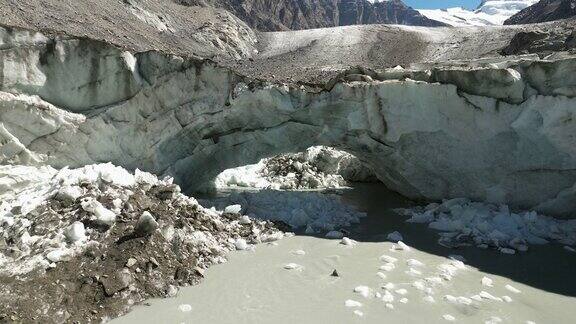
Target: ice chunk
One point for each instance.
(241, 244)
(401, 291)
(352, 303)
(381, 275)
(359, 313)
(489, 296)
(233, 209)
(429, 299)
(388, 267)
(101, 214)
(507, 250)
(69, 193)
(347, 241)
(364, 291)
(388, 259)
(512, 289)
(507, 299)
(299, 252)
(414, 263)
(449, 317)
(244, 220)
(58, 255)
(185, 308)
(292, 266)
(75, 232)
(403, 300)
(387, 297)
(487, 282)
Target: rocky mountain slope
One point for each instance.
(275, 15)
(488, 13)
(545, 10)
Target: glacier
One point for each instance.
(498, 130)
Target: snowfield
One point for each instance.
(489, 13)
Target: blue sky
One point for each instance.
(433, 4)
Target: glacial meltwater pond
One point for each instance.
(376, 282)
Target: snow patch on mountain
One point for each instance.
(489, 13)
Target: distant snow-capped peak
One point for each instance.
(489, 13)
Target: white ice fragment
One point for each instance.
(507, 299)
(403, 300)
(58, 255)
(487, 282)
(402, 246)
(352, 303)
(359, 313)
(493, 320)
(146, 224)
(69, 193)
(395, 236)
(389, 286)
(75, 232)
(429, 299)
(185, 308)
(244, 220)
(241, 244)
(381, 275)
(388, 259)
(233, 209)
(389, 306)
(364, 291)
(507, 250)
(476, 298)
(347, 241)
(413, 272)
(334, 235)
(414, 263)
(487, 295)
(449, 317)
(401, 291)
(292, 266)
(388, 267)
(512, 289)
(299, 252)
(101, 214)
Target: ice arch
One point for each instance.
(499, 133)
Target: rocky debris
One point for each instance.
(77, 268)
(335, 273)
(138, 25)
(544, 10)
(308, 14)
(318, 167)
(543, 43)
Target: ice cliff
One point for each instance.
(499, 130)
